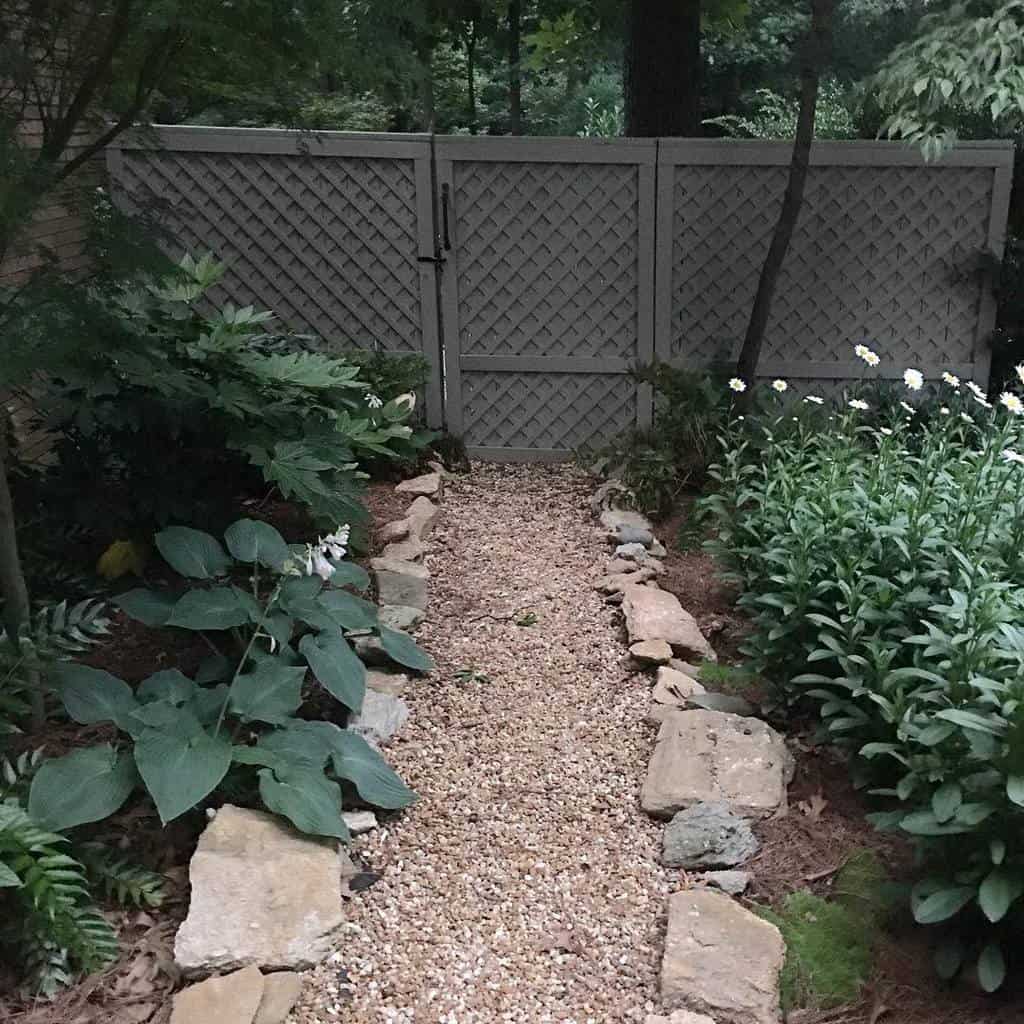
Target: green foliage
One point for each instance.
(121, 880)
(223, 402)
(959, 62)
(722, 678)
(284, 610)
(657, 465)
(774, 116)
(882, 566)
(828, 951)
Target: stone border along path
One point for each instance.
(527, 886)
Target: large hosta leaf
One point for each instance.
(250, 540)
(349, 611)
(336, 666)
(217, 608)
(150, 607)
(83, 786)
(348, 574)
(91, 695)
(375, 781)
(307, 798)
(192, 553)
(270, 692)
(181, 765)
(402, 648)
(170, 685)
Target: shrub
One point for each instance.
(882, 568)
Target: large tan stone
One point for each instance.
(670, 693)
(680, 1017)
(280, 993)
(421, 516)
(428, 485)
(657, 615)
(711, 756)
(233, 999)
(262, 894)
(400, 583)
(651, 652)
(411, 549)
(721, 960)
(616, 583)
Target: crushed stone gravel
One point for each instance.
(524, 886)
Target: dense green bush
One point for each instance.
(882, 567)
(181, 410)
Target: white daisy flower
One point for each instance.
(944, 410)
(869, 357)
(1010, 401)
(735, 384)
(1011, 456)
(1019, 370)
(967, 419)
(914, 379)
(779, 385)
(951, 379)
(814, 400)
(857, 403)
(886, 431)
(907, 408)
(975, 390)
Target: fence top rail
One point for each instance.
(845, 153)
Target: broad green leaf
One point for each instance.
(170, 685)
(270, 692)
(402, 648)
(86, 785)
(218, 608)
(180, 767)
(301, 742)
(347, 610)
(935, 733)
(307, 798)
(348, 574)
(8, 879)
(375, 781)
(214, 669)
(336, 667)
(998, 892)
(250, 540)
(946, 801)
(91, 695)
(924, 823)
(997, 850)
(192, 553)
(150, 607)
(971, 720)
(1015, 789)
(942, 905)
(948, 957)
(207, 702)
(991, 967)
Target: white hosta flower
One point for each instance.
(408, 399)
(1011, 456)
(1010, 401)
(814, 400)
(336, 543)
(858, 403)
(779, 385)
(951, 379)
(321, 567)
(735, 384)
(373, 401)
(914, 379)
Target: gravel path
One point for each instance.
(524, 885)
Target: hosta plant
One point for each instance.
(276, 616)
(882, 564)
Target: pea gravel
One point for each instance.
(524, 885)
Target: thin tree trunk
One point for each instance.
(663, 68)
(815, 53)
(515, 73)
(428, 112)
(471, 74)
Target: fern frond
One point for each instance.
(119, 878)
(16, 776)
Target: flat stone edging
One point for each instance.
(714, 767)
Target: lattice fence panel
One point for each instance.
(545, 410)
(547, 258)
(884, 254)
(327, 242)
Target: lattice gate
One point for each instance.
(535, 273)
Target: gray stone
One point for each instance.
(380, 717)
(391, 683)
(428, 485)
(613, 518)
(358, 822)
(281, 992)
(627, 534)
(658, 615)
(403, 583)
(617, 565)
(262, 895)
(233, 999)
(708, 835)
(721, 960)
(400, 616)
(409, 550)
(617, 583)
(703, 756)
(735, 883)
(725, 702)
(680, 1017)
(395, 531)
(604, 497)
(651, 652)
(671, 692)
(421, 516)
(631, 552)
(686, 667)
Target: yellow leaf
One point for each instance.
(121, 558)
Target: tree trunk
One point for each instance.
(515, 73)
(428, 112)
(663, 68)
(471, 33)
(815, 52)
